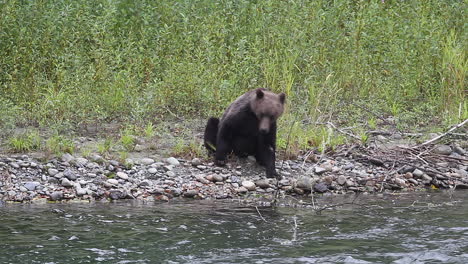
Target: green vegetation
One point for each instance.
(58, 144)
(25, 142)
(67, 63)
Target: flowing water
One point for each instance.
(410, 228)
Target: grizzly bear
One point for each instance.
(247, 127)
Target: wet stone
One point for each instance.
(56, 196)
(190, 193)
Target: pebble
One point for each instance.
(152, 170)
(170, 174)
(242, 189)
(173, 161)
(217, 178)
(249, 185)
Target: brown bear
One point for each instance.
(247, 127)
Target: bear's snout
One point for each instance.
(264, 126)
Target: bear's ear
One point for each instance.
(260, 93)
(282, 97)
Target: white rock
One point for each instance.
(122, 175)
(113, 181)
(147, 161)
(173, 161)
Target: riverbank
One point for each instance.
(385, 165)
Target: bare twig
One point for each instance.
(260, 214)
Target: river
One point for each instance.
(408, 228)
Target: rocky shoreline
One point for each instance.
(352, 169)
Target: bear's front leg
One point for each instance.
(223, 146)
(265, 156)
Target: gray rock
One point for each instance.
(52, 171)
(122, 175)
(196, 162)
(66, 182)
(56, 196)
(147, 161)
(320, 187)
(442, 149)
(458, 149)
(190, 193)
(170, 174)
(67, 157)
(96, 158)
(426, 177)
(80, 162)
(81, 191)
(117, 194)
(31, 186)
(144, 184)
(249, 185)
(23, 189)
(341, 180)
(173, 161)
(69, 174)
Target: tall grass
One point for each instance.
(93, 61)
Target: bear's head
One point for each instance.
(268, 107)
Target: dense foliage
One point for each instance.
(91, 61)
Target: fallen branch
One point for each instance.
(343, 132)
(443, 135)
